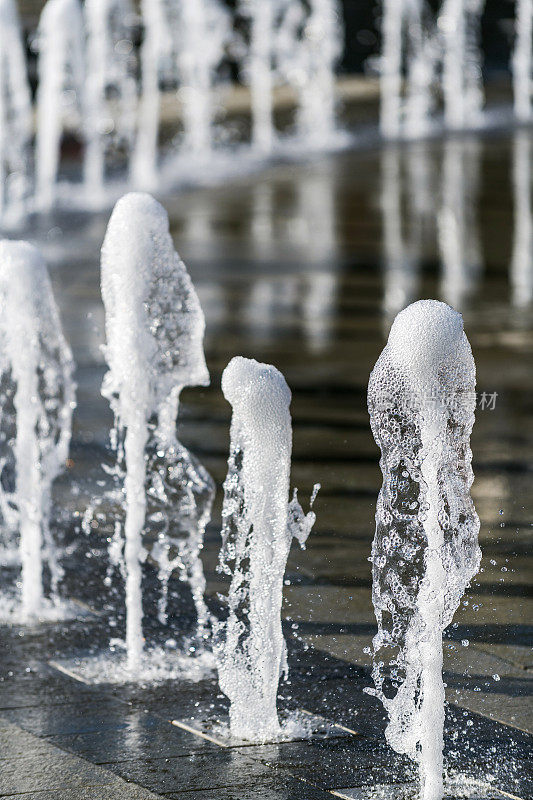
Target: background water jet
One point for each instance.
(61, 68)
(15, 116)
(110, 98)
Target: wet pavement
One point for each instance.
(304, 267)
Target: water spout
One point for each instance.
(322, 48)
(154, 331)
(36, 405)
(259, 524)
(61, 42)
(156, 49)
(459, 25)
(110, 90)
(202, 34)
(15, 116)
(259, 70)
(421, 400)
(522, 63)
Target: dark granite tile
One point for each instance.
(280, 789)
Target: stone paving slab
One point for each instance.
(48, 773)
(281, 790)
(468, 672)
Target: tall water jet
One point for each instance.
(36, 402)
(61, 69)
(522, 257)
(110, 90)
(421, 67)
(393, 17)
(154, 332)
(421, 400)
(522, 62)
(203, 31)
(459, 24)
(259, 69)
(259, 524)
(156, 50)
(15, 115)
(322, 47)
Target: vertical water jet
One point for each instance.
(156, 49)
(322, 47)
(259, 70)
(154, 332)
(61, 70)
(459, 23)
(393, 16)
(36, 402)
(110, 90)
(522, 61)
(259, 524)
(15, 115)
(421, 400)
(202, 34)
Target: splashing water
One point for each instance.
(421, 400)
(15, 115)
(522, 63)
(154, 330)
(110, 90)
(36, 402)
(61, 44)
(258, 526)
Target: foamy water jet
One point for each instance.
(154, 331)
(421, 399)
(36, 403)
(259, 524)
